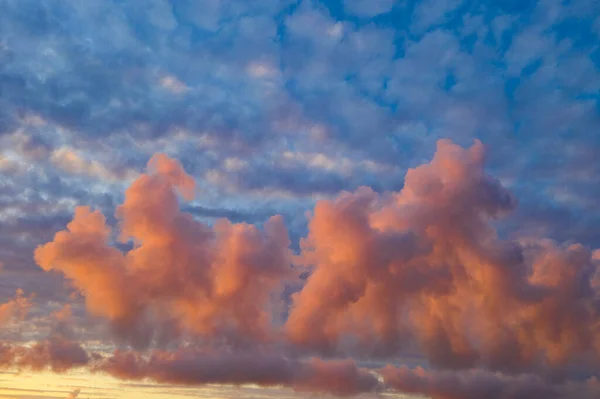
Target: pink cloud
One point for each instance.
(182, 276)
(422, 270)
(56, 354)
(17, 307)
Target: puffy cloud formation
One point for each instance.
(422, 270)
(272, 104)
(425, 267)
(181, 275)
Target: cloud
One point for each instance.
(480, 384)
(191, 367)
(56, 354)
(425, 268)
(337, 377)
(422, 268)
(74, 394)
(429, 13)
(17, 307)
(273, 105)
(173, 84)
(371, 88)
(72, 162)
(89, 77)
(181, 275)
(368, 9)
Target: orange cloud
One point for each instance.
(17, 307)
(425, 269)
(422, 270)
(181, 276)
(56, 354)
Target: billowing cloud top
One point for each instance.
(337, 197)
(422, 270)
(180, 273)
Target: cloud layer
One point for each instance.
(422, 270)
(313, 200)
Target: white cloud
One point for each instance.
(262, 70)
(71, 161)
(369, 8)
(432, 12)
(173, 84)
(234, 164)
(334, 163)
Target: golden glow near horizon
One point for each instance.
(26, 385)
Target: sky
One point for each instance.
(299, 198)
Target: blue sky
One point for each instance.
(272, 105)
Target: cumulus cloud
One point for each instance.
(422, 270)
(180, 275)
(75, 393)
(425, 267)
